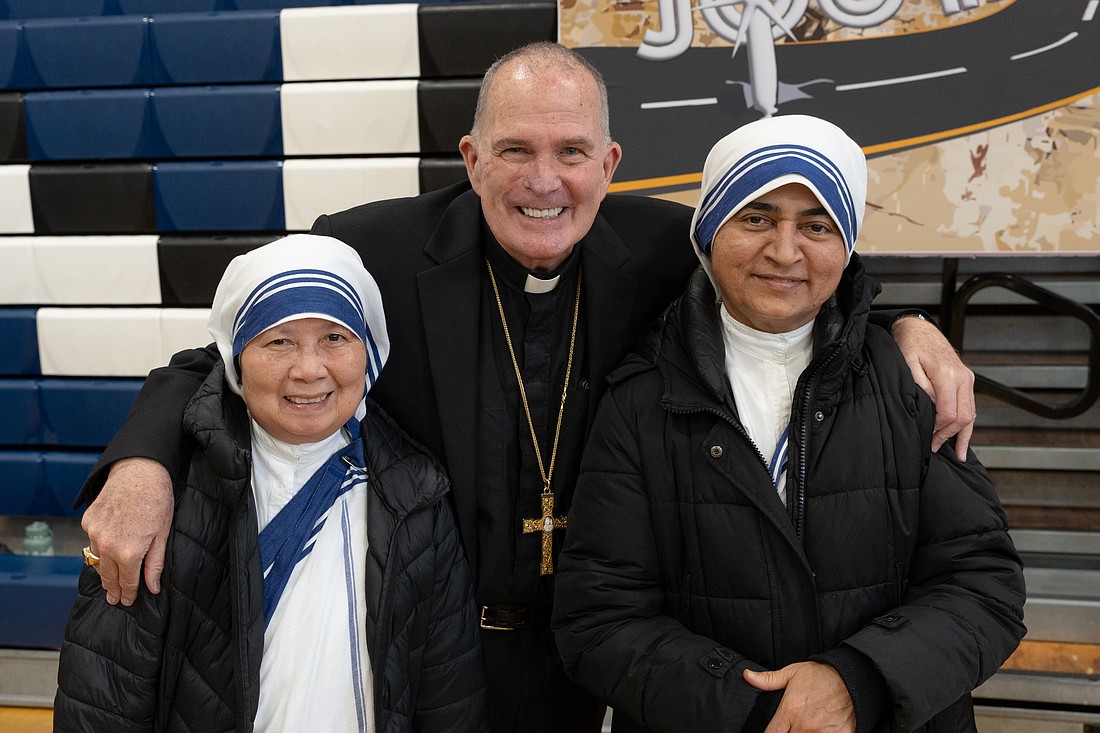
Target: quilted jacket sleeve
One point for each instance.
(962, 614)
(452, 686)
(109, 673)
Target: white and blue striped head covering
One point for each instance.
(762, 156)
(300, 276)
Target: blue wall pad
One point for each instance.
(191, 266)
(13, 130)
(89, 123)
(446, 30)
(11, 53)
(43, 483)
(19, 334)
(217, 48)
(84, 412)
(163, 8)
(277, 4)
(56, 8)
(93, 199)
(218, 122)
(219, 196)
(65, 473)
(22, 479)
(90, 52)
(22, 422)
(37, 594)
(72, 8)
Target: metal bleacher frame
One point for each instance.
(953, 323)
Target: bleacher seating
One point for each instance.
(55, 270)
(16, 216)
(216, 48)
(19, 334)
(143, 144)
(190, 266)
(72, 8)
(178, 93)
(42, 482)
(350, 42)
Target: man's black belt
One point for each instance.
(511, 617)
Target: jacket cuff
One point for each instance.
(870, 696)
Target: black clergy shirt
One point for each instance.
(509, 485)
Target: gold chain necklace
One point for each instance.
(547, 523)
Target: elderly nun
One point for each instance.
(761, 531)
(314, 578)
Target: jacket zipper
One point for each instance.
(804, 441)
(385, 613)
(685, 600)
(244, 718)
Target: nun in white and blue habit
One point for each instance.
(760, 157)
(754, 501)
(316, 586)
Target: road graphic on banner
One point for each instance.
(889, 93)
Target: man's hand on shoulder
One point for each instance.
(129, 522)
(940, 372)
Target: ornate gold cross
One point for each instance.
(546, 524)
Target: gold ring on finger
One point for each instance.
(90, 558)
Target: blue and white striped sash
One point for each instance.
(290, 535)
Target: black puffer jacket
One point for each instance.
(188, 659)
(682, 567)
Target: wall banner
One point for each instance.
(981, 119)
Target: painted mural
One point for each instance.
(981, 119)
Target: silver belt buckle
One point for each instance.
(485, 624)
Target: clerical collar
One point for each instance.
(537, 284)
(520, 279)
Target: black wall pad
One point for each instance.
(190, 267)
(439, 172)
(93, 199)
(464, 39)
(13, 129)
(446, 110)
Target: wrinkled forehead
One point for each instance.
(565, 99)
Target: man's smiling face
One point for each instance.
(541, 162)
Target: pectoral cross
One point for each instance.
(546, 524)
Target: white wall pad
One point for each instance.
(183, 328)
(350, 118)
(104, 270)
(312, 187)
(15, 192)
(99, 342)
(365, 42)
(18, 285)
